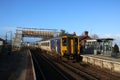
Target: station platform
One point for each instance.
(17, 66)
(106, 62)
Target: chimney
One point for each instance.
(86, 33)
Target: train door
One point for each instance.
(64, 45)
(57, 45)
(70, 47)
(76, 45)
(73, 46)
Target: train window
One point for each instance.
(48, 44)
(64, 41)
(76, 41)
(45, 44)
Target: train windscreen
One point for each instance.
(76, 41)
(64, 42)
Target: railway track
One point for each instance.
(87, 71)
(98, 73)
(79, 71)
(78, 74)
(45, 70)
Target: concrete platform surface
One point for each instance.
(17, 66)
(109, 58)
(107, 62)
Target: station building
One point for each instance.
(101, 46)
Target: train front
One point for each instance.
(70, 46)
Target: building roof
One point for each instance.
(104, 39)
(85, 37)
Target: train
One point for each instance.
(66, 45)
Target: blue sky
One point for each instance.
(101, 17)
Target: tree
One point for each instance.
(63, 32)
(94, 36)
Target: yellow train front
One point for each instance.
(70, 46)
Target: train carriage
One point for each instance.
(65, 45)
(45, 45)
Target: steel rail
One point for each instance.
(39, 68)
(54, 67)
